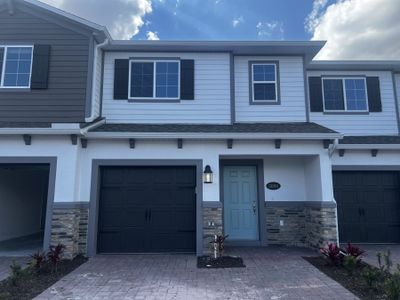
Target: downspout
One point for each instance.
(96, 50)
(332, 147)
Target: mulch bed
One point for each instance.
(208, 262)
(354, 282)
(31, 283)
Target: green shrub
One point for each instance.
(392, 285)
(350, 263)
(16, 271)
(371, 276)
(385, 261)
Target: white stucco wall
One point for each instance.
(290, 165)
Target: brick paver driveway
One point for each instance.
(271, 273)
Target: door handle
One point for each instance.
(254, 207)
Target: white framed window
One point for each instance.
(345, 94)
(154, 79)
(16, 66)
(264, 83)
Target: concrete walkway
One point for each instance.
(372, 250)
(271, 273)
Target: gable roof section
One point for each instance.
(69, 19)
(308, 49)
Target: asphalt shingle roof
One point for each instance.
(298, 127)
(372, 139)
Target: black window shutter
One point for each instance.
(187, 79)
(121, 78)
(374, 94)
(40, 67)
(315, 92)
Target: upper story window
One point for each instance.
(345, 94)
(154, 79)
(264, 82)
(16, 66)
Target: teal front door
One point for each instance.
(240, 202)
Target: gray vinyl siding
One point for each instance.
(64, 100)
(373, 123)
(291, 89)
(211, 104)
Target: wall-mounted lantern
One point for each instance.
(208, 175)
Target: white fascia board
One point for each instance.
(368, 146)
(211, 135)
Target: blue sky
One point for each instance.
(228, 20)
(353, 29)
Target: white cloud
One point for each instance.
(237, 21)
(152, 35)
(123, 18)
(313, 17)
(358, 29)
(273, 29)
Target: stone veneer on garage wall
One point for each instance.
(69, 227)
(211, 214)
(305, 224)
(310, 224)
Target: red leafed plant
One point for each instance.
(38, 259)
(333, 253)
(354, 251)
(55, 255)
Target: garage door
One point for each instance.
(147, 209)
(368, 206)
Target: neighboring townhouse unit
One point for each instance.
(47, 95)
(155, 146)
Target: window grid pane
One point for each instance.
(263, 72)
(356, 97)
(333, 94)
(167, 77)
(17, 67)
(264, 82)
(142, 79)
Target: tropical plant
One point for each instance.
(55, 254)
(371, 276)
(218, 244)
(354, 251)
(38, 259)
(333, 253)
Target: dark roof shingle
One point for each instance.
(298, 127)
(371, 139)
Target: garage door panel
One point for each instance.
(109, 241)
(111, 197)
(112, 176)
(133, 241)
(369, 210)
(153, 215)
(350, 232)
(111, 218)
(181, 195)
(134, 217)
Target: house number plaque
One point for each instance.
(273, 185)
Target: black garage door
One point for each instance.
(147, 209)
(368, 206)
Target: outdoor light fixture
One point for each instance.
(208, 175)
